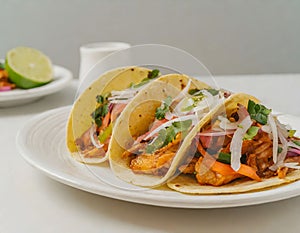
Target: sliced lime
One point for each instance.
(28, 67)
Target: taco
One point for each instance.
(239, 147)
(94, 113)
(147, 138)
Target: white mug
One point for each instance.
(90, 54)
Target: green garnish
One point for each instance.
(296, 142)
(258, 112)
(163, 109)
(101, 110)
(251, 133)
(2, 66)
(157, 143)
(151, 75)
(224, 157)
(279, 150)
(165, 136)
(196, 98)
(292, 133)
(212, 91)
(104, 135)
(197, 91)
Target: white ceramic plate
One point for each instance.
(17, 96)
(42, 143)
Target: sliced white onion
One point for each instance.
(125, 92)
(273, 127)
(282, 154)
(294, 145)
(169, 115)
(184, 103)
(169, 123)
(96, 144)
(266, 129)
(120, 101)
(205, 105)
(237, 142)
(226, 124)
(218, 133)
(292, 165)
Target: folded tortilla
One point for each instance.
(187, 183)
(80, 118)
(136, 120)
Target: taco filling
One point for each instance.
(153, 151)
(93, 143)
(250, 143)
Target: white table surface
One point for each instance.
(32, 202)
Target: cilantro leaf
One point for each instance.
(163, 109)
(102, 108)
(2, 66)
(153, 74)
(258, 112)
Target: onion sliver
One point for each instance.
(216, 133)
(169, 123)
(96, 144)
(273, 127)
(237, 142)
(294, 145)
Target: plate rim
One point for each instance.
(177, 200)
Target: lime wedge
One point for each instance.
(28, 67)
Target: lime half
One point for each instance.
(28, 67)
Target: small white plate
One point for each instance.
(42, 143)
(15, 97)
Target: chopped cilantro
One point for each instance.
(251, 133)
(101, 110)
(163, 109)
(258, 112)
(279, 150)
(165, 136)
(153, 74)
(193, 91)
(224, 157)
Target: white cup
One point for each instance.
(90, 54)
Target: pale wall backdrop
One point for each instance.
(229, 36)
